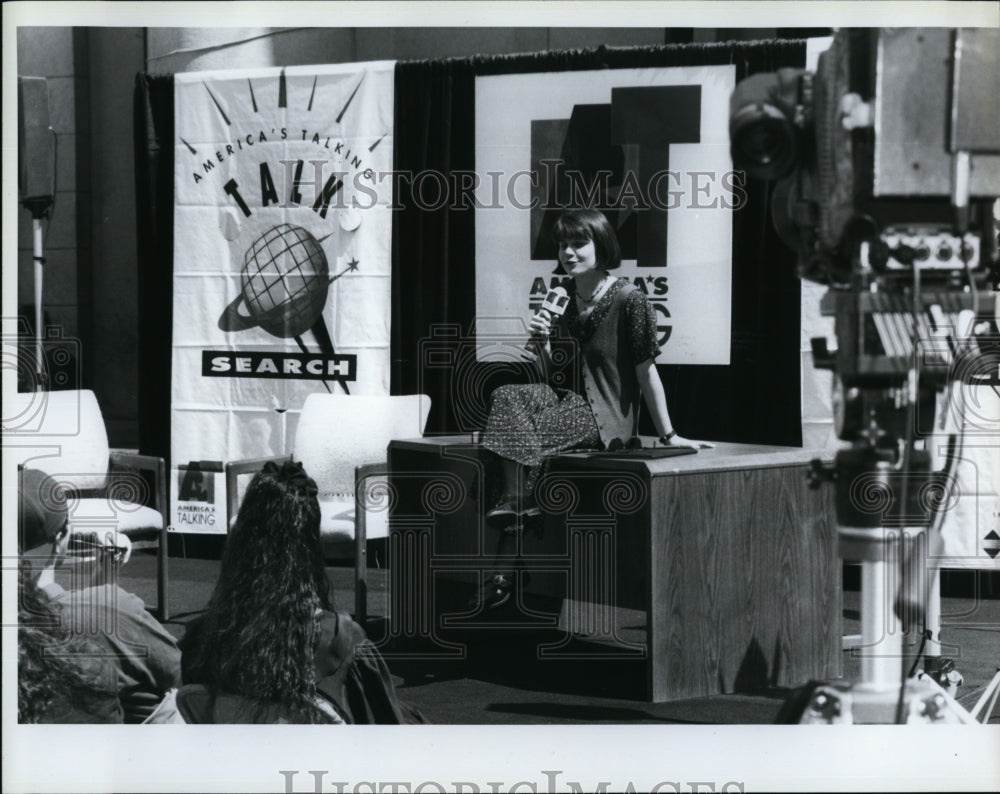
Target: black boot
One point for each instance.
(503, 513)
(514, 503)
(499, 585)
(496, 591)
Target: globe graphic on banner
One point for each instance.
(284, 284)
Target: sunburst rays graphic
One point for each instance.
(285, 277)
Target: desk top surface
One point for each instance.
(724, 456)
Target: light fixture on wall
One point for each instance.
(36, 186)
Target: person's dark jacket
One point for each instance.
(351, 676)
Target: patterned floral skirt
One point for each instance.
(528, 423)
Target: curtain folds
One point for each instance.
(153, 115)
(433, 250)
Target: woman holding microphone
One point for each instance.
(614, 327)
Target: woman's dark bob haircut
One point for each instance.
(590, 225)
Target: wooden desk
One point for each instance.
(719, 568)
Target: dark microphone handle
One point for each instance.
(553, 306)
(531, 342)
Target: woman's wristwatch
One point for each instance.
(665, 439)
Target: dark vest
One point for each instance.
(607, 378)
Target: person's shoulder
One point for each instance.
(126, 606)
(339, 635)
(342, 626)
(627, 289)
(109, 595)
(630, 296)
(55, 592)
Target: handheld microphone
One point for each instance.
(554, 305)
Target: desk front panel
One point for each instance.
(728, 577)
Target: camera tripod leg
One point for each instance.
(989, 696)
(932, 619)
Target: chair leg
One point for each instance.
(162, 604)
(361, 570)
(361, 476)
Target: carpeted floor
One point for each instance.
(491, 683)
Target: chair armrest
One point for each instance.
(120, 459)
(363, 472)
(235, 468)
(366, 470)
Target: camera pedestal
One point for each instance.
(880, 697)
(880, 552)
(925, 702)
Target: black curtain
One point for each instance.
(153, 109)
(433, 251)
(753, 400)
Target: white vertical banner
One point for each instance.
(282, 241)
(650, 148)
(970, 409)
(818, 431)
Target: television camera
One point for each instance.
(885, 171)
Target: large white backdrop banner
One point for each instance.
(650, 147)
(282, 239)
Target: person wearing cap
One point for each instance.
(145, 655)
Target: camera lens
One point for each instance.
(764, 141)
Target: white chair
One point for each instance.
(62, 433)
(342, 442)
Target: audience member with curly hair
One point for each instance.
(269, 647)
(61, 678)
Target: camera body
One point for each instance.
(885, 163)
(885, 171)
(888, 153)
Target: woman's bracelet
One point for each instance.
(666, 438)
